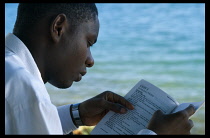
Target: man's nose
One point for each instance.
(89, 61)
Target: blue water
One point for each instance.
(161, 43)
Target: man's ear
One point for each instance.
(58, 27)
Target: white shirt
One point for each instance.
(28, 108)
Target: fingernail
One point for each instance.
(132, 107)
(123, 110)
(192, 106)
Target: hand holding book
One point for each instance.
(175, 123)
(147, 99)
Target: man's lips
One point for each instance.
(80, 76)
(83, 73)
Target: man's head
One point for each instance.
(59, 36)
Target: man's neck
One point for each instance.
(37, 51)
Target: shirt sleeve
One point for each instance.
(146, 132)
(66, 120)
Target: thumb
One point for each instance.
(190, 110)
(158, 113)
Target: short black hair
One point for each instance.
(29, 13)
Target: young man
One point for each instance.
(51, 43)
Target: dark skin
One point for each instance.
(62, 53)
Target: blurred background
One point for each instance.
(163, 43)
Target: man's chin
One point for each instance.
(62, 85)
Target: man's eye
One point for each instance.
(89, 44)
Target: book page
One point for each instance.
(182, 106)
(146, 99)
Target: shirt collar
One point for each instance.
(15, 45)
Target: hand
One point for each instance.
(176, 123)
(93, 110)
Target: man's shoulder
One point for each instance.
(12, 62)
(20, 83)
(15, 69)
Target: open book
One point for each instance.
(146, 99)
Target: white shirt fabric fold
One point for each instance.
(28, 108)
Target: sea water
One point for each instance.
(163, 43)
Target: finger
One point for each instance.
(158, 113)
(115, 107)
(191, 124)
(119, 99)
(188, 126)
(190, 110)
